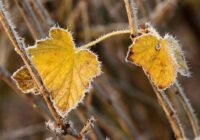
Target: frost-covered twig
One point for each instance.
(30, 18)
(71, 131)
(52, 126)
(20, 46)
(188, 108)
(86, 128)
(170, 112)
(132, 15)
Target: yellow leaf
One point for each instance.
(153, 55)
(24, 80)
(65, 70)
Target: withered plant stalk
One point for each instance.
(19, 47)
(132, 15)
(188, 108)
(171, 113)
(162, 98)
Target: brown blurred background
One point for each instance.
(122, 99)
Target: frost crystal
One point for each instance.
(53, 127)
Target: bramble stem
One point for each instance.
(170, 112)
(132, 15)
(19, 47)
(188, 108)
(106, 36)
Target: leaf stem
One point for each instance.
(106, 36)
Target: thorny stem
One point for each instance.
(106, 36)
(132, 15)
(188, 108)
(170, 113)
(19, 47)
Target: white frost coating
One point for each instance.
(190, 108)
(50, 138)
(12, 27)
(107, 138)
(152, 30)
(53, 127)
(134, 12)
(175, 114)
(178, 55)
(92, 120)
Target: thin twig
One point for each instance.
(124, 120)
(42, 12)
(188, 108)
(114, 132)
(106, 36)
(30, 18)
(23, 132)
(85, 21)
(83, 118)
(132, 15)
(112, 10)
(86, 128)
(170, 112)
(73, 16)
(20, 46)
(29, 24)
(163, 8)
